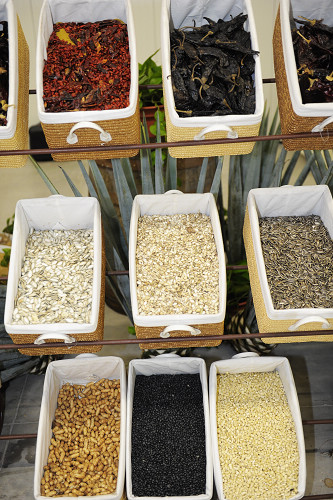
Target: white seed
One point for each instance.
(55, 264)
(177, 261)
(256, 437)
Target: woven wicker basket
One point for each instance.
(20, 139)
(143, 332)
(176, 134)
(94, 128)
(290, 121)
(177, 325)
(82, 369)
(122, 131)
(178, 15)
(50, 213)
(66, 348)
(265, 323)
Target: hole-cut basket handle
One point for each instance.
(325, 325)
(73, 139)
(52, 336)
(232, 134)
(165, 334)
(320, 127)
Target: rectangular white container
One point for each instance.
(284, 201)
(54, 212)
(81, 370)
(171, 203)
(249, 362)
(172, 365)
(320, 10)
(176, 15)
(101, 127)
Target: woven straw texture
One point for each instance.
(292, 123)
(175, 134)
(123, 131)
(66, 349)
(265, 324)
(143, 332)
(20, 140)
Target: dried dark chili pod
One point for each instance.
(210, 62)
(4, 73)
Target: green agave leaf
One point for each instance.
(70, 182)
(202, 176)
(216, 184)
(276, 180)
(314, 167)
(320, 162)
(235, 213)
(109, 215)
(128, 172)
(171, 173)
(252, 174)
(124, 194)
(44, 176)
(290, 169)
(103, 193)
(90, 185)
(159, 182)
(146, 178)
(327, 179)
(327, 156)
(124, 288)
(305, 171)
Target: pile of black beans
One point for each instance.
(168, 436)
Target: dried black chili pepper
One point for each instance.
(313, 48)
(212, 68)
(4, 73)
(87, 67)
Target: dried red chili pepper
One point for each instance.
(87, 67)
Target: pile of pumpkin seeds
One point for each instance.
(56, 278)
(298, 253)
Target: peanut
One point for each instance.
(83, 458)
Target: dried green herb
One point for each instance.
(4, 72)
(212, 68)
(313, 48)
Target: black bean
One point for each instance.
(168, 436)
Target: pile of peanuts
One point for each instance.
(84, 450)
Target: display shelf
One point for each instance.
(142, 341)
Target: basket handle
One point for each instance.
(50, 336)
(73, 139)
(320, 127)
(310, 319)
(232, 134)
(171, 328)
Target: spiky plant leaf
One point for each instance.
(44, 176)
(277, 173)
(216, 184)
(71, 183)
(159, 182)
(171, 173)
(304, 172)
(202, 176)
(327, 179)
(320, 160)
(91, 189)
(124, 194)
(251, 171)
(290, 168)
(128, 172)
(327, 156)
(235, 212)
(314, 167)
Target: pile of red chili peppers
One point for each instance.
(87, 67)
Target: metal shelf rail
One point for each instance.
(142, 341)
